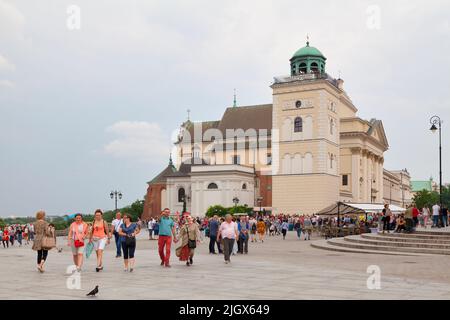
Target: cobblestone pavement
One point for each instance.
(275, 269)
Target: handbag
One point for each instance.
(48, 241)
(192, 244)
(78, 244)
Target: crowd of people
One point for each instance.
(228, 236)
(17, 234)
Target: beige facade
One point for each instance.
(310, 141)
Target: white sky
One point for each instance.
(90, 110)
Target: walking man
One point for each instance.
(166, 231)
(213, 229)
(243, 228)
(151, 226)
(228, 230)
(116, 223)
(436, 208)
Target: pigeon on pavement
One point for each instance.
(93, 292)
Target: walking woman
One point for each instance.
(5, 238)
(284, 228)
(128, 232)
(78, 232)
(42, 230)
(298, 228)
(190, 236)
(100, 235)
(261, 227)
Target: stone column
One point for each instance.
(356, 155)
(364, 176)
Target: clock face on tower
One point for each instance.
(298, 104)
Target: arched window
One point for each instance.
(298, 125)
(302, 68)
(212, 185)
(314, 67)
(331, 160)
(244, 186)
(181, 195)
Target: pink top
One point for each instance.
(228, 230)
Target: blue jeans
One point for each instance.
(118, 244)
(299, 233)
(444, 221)
(435, 220)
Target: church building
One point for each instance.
(298, 154)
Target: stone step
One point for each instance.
(375, 236)
(383, 241)
(439, 232)
(389, 247)
(414, 235)
(324, 245)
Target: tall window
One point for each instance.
(244, 186)
(269, 159)
(331, 127)
(345, 180)
(236, 159)
(298, 125)
(331, 160)
(181, 194)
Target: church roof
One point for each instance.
(205, 125)
(185, 167)
(162, 176)
(249, 117)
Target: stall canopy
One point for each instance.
(340, 208)
(343, 208)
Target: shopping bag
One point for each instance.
(89, 248)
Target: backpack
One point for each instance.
(254, 227)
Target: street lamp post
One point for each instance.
(235, 201)
(259, 199)
(435, 120)
(114, 195)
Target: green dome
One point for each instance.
(308, 51)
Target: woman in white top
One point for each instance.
(425, 215)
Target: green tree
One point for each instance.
(240, 209)
(134, 210)
(425, 198)
(216, 210)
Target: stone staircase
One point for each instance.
(417, 243)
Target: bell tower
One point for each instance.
(305, 178)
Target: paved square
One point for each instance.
(275, 269)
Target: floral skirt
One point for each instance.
(185, 253)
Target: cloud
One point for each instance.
(6, 84)
(138, 140)
(6, 65)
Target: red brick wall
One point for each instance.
(265, 189)
(152, 203)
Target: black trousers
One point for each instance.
(41, 256)
(212, 243)
(386, 224)
(284, 231)
(128, 250)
